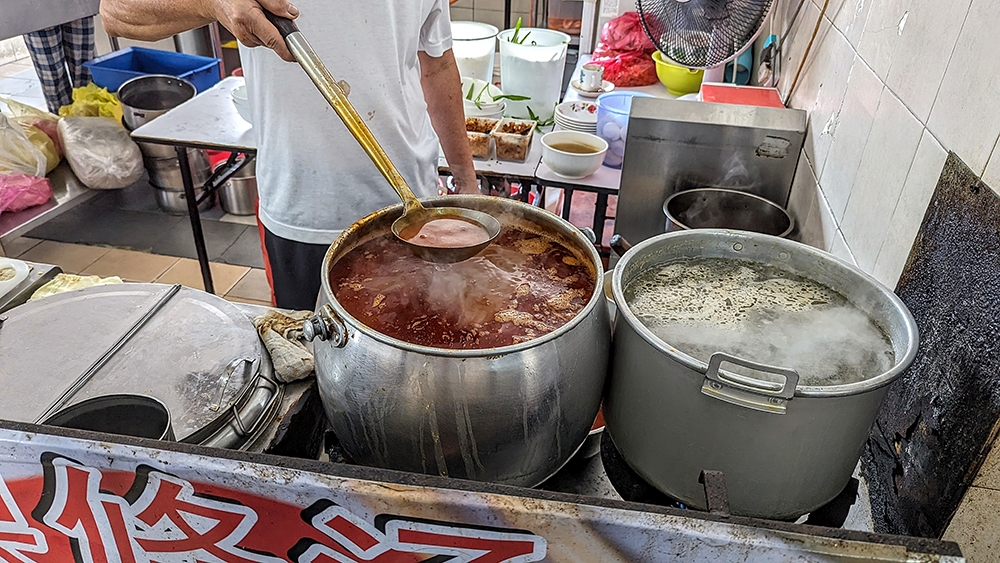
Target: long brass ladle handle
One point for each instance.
(335, 95)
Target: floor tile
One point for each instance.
(246, 251)
(137, 197)
(15, 68)
(252, 286)
(188, 272)
(19, 246)
(13, 86)
(113, 227)
(248, 301)
(248, 220)
(218, 238)
(131, 266)
(72, 258)
(974, 526)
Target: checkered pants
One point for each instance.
(59, 53)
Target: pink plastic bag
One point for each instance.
(625, 53)
(20, 191)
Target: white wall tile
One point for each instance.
(850, 129)
(851, 19)
(822, 90)
(965, 117)
(974, 527)
(892, 143)
(795, 47)
(841, 250)
(460, 14)
(881, 36)
(826, 225)
(992, 174)
(923, 52)
(463, 4)
(910, 209)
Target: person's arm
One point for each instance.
(152, 20)
(443, 93)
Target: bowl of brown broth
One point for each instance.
(572, 154)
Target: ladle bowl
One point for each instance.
(413, 212)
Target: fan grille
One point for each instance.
(702, 33)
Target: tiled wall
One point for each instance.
(890, 86)
(490, 11)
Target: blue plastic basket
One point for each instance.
(113, 69)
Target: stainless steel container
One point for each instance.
(147, 97)
(784, 451)
(174, 202)
(238, 195)
(510, 415)
(165, 173)
(128, 415)
(717, 208)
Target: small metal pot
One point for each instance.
(238, 196)
(784, 452)
(126, 415)
(165, 173)
(718, 208)
(513, 415)
(147, 97)
(174, 202)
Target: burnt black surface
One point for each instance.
(933, 430)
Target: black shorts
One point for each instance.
(294, 269)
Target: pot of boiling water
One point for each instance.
(752, 355)
(411, 380)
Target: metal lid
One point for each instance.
(197, 353)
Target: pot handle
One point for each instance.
(325, 325)
(744, 393)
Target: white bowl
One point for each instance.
(239, 95)
(481, 92)
(491, 112)
(572, 165)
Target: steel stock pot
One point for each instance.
(511, 415)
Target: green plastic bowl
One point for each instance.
(679, 80)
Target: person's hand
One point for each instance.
(245, 19)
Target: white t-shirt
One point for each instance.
(313, 178)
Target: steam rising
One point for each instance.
(762, 314)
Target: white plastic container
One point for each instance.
(533, 69)
(474, 45)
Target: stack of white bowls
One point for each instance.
(482, 99)
(577, 116)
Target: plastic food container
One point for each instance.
(612, 123)
(114, 69)
(513, 138)
(533, 69)
(474, 45)
(479, 129)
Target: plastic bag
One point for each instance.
(100, 152)
(628, 70)
(625, 53)
(18, 155)
(28, 116)
(21, 191)
(93, 101)
(625, 33)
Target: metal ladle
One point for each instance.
(413, 212)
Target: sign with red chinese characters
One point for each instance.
(70, 500)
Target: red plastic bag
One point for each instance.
(625, 53)
(20, 191)
(625, 33)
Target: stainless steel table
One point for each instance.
(207, 121)
(67, 193)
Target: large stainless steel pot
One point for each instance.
(784, 452)
(509, 415)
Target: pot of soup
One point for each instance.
(489, 369)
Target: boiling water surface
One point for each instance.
(763, 314)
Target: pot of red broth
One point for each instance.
(489, 369)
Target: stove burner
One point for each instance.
(633, 488)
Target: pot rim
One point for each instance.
(597, 298)
(701, 367)
(184, 82)
(673, 219)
